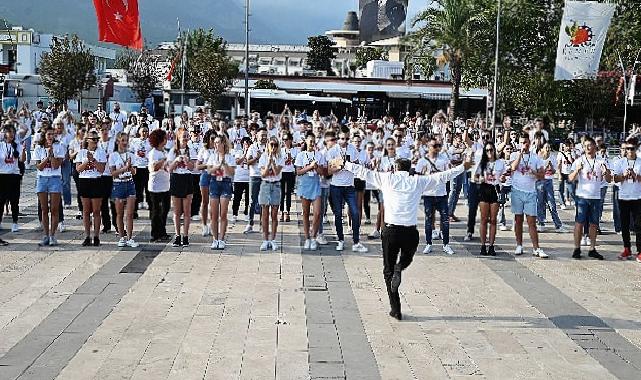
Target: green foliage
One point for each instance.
(67, 69)
(266, 84)
(209, 70)
(321, 53)
(124, 58)
(366, 54)
(143, 71)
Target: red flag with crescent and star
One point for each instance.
(119, 22)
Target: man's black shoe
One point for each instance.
(595, 255)
(396, 279)
(396, 315)
(483, 250)
(177, 241)
(185, 241)
(96, 241)
(491, 251)
(86, 242)
(577, 253)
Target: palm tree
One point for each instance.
(445, 37)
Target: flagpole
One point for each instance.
(182, 77)
(496, 67)
(247, 58)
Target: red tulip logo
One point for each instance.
(579, 35)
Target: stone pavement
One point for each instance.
(158, 312)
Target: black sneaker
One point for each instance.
(491, 251)
(86, 242)
(3, 243)
(96, 241)
(396, 315)
(595, 255)
(577, 253)
(396, 279)
(185, 241)
(483, 250)
(177, 241)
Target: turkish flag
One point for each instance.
(119, 22)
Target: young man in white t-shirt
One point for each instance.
(526, 168)
(590, 171)
(627, 173)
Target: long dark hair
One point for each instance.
(43, 135)
(484, 157)
(14, 145)
(207, 138)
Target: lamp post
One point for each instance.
(627, 86)
(496, 66)
(247, 58)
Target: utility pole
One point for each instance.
(182, 77)
(627, 86)
(496, 66)
(247, 101)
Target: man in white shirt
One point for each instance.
(402, 193)
(119, 120)
(627, 173)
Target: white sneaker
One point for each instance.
(359, 247)
(519, 250)
(248, 229)
(447, 249)
(539, 253)
(308, 244)
(234, 219)
(61, 227)
(206, 230)
(428, 249)
(540, 228)
(265, 245)
(562, 230)
(132, 243)
(588, 241)
(340, 246)
(503, 227)
(214, 245)
(584, 241)
(564, 207)
(313, 245)
(436, 235)
(368, 221)
(274, 245)
(122, 242)
(320, 239)
(468, 237)
(195, 218)
(325, 220)
(145, 206)
(14, 227)
(221, 244)
(374, 235)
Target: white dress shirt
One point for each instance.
(401, 191)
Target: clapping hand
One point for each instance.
(337, 163)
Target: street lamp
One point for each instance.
(496, 66)
(627, 86)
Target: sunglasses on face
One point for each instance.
(342, 139)
(435, 145)
(489, 150)
(630, 148)
(92, 139)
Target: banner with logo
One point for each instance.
(584, 28)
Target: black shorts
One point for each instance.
(359, 184)
(488, 193)
(90, 188)
(180, 185)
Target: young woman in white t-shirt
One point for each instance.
(487, 174)
(288, 180)
(205, 179)
(270, 165)
(90, 163)
(241, 179)
(48, 156)
(221, 165)
(158, 185)
(11, 153)
(123, 170)
(181, 186)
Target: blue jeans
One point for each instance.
(473, 206)
(455, 192)
(341, 195)
(66, 182)
(28, 152)
(616, 210)
(323, 210)
(254, 189)
(545, 196)
(466, 184)
(505, 193)
(439, 204)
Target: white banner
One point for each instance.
(584, 28)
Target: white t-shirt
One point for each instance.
(629, 189)
(236, 136)
(426, 166)
(8, 161)
(108, 146)
(118, 161)
(524, 177)
(305, 158)
(289, 154)
(194, 150)
(262, 163)
(140, 148)
(493, 172)
(91, 171)
(370, 163)
(342, 177)
(40, 153)
(252, 152)
(566, 161)
(214, 159)
(241, 173)
(590, 177)
(158, 180)
(549, 165)
(181, 158)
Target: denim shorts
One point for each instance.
(269, 194)
(123, 190)
(205, 179)
(220, 189)
(49, 184)
(523, 203)
(587, 211)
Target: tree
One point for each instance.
(68, 69)
(143, 72)
(208, 69)
(321, 53)
(448, 31)
(266, 84)
(366, 54)
(124, 58)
